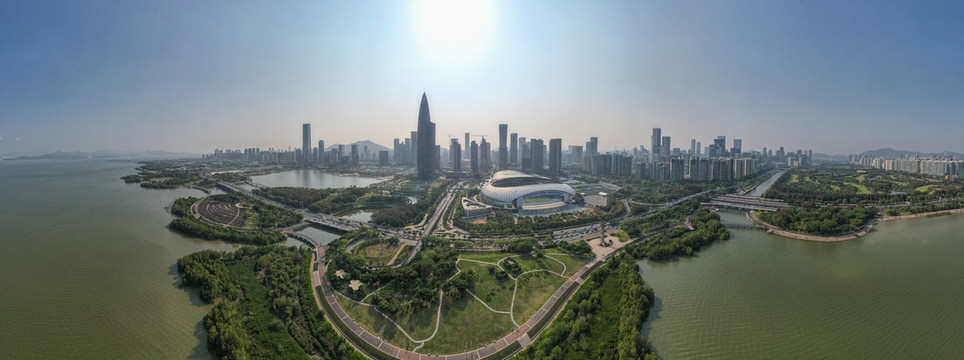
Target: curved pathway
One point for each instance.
(519, 335)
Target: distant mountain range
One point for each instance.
(891, 153)
(372, 147)
(106, 154)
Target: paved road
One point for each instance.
(520, 335)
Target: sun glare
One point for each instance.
(453, 29)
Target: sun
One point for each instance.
(453, 29)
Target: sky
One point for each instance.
(835, 77)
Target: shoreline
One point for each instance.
(866, 229)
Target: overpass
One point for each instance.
(747, 203)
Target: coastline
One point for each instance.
(866, 229)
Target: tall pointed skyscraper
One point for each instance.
(425, 156)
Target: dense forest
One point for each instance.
(658, 192)
(827, 221)
(662, 219)
(602, 320)
(264, 308)
(186, 222)
(162, 179)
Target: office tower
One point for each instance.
(555, 156)
(437, 158)
(514, 149)
(503, 149)
(719, 147)
(699, 146)
(655, 143)
(664, 151)
(525, 153)
(474, 157)
(575, 154)
(538, 155)
(693, 150)
(413, 148)
(397, 152)
(592, 146)
(455, 152)
(321, 152)
(306, 143)
(383, 158)
(485, 153)
(466, 155)
(354, 155)
(738, 145)
(425, 154)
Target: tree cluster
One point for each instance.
(602, 319)
(826, 220)
(267, 310)
(681, 241)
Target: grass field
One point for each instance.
(534, 290)
(467, 324)
(376, 254)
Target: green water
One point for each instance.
(896, 293)
(87, 267)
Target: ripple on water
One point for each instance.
(894, 293)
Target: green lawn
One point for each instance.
(485, 257)
(573, 263)
(420, 324)
(924, 188)
(498, 294)
(467, 324)
(534, 290)
(377, 254)
(861, 189)
(540, 199)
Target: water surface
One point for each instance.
(895, 293)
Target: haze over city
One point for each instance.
(836, 78)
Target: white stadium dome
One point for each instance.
(510, 189)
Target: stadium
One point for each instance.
(528, 194)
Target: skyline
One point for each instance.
(835, 78)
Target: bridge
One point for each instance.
(747, 203)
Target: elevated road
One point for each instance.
(747, 203)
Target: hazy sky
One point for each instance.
(834, 76)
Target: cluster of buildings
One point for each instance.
(474, 156)
(914, 165)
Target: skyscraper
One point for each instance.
(665, 149)
(503, 150)
(354, 159)
(514, 149)
(555, 156)
(485, 156)
(538, 155)
(474, 157)
(425, 155)
(455, 152)
(306, 143)
(655, 146)
(413, 148)
(693, 150)
(466, 155)
(321, 152)
(592, 146)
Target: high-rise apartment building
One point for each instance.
(306, 143)
(555, 156)
(455, 152)
(513, 149)
(503, 149)
(474, 157)
(538, 155)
